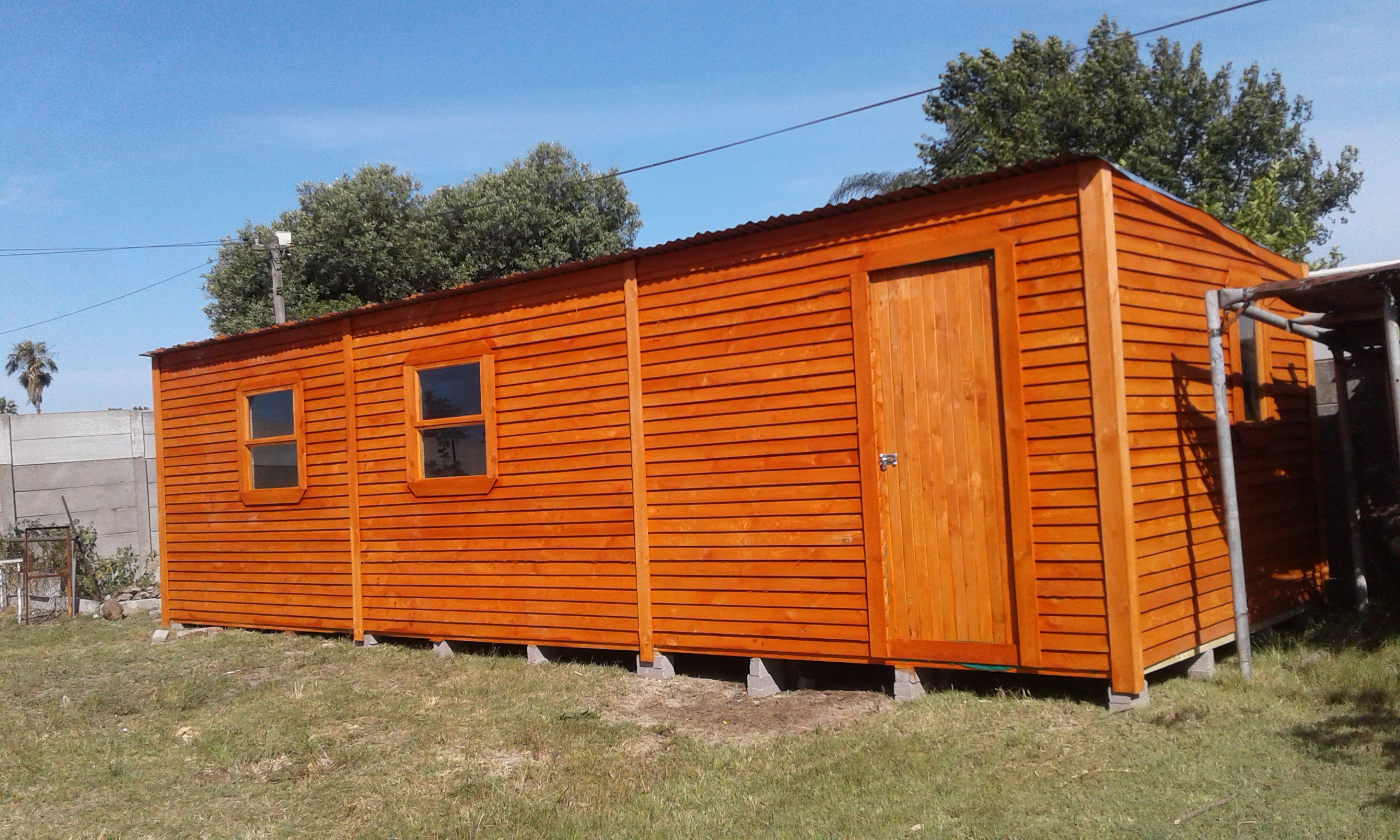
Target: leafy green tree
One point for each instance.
(373, 236)
(36, 367)
(1238, 150)
(8, 406)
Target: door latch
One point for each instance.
(888, 459)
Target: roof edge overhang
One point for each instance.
(772, 223)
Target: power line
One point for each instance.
(29, 252)
(1185, 21)
(24, 252)
(44, 252)
(108, 300)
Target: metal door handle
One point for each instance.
(888, 459)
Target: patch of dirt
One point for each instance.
(722, 711)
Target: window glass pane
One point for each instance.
(453, 391)
(274, 465)
(454, 450)
(271, 414)
(1249, 376)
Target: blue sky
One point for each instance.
(129, 123)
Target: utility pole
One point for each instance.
(282, 239)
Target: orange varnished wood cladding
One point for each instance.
(685, 446)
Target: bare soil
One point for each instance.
(721, 711)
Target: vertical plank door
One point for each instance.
(943, 501)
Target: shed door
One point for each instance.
(943, 503)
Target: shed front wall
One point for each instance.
(223, 562)
(740, 374)
(546, 557)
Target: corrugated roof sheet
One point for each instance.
(705, 238)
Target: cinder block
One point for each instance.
(199, 631)
(443, 649)
(536, 655)
(1202, 667)
(660, 667)
(369, 641)
(767, 676)
(908, 684)
(1125, 702)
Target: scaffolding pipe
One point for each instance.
(1318, 334)
(1228, 492)
(1358, 562)
(1392, 357)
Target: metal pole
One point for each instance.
(1358, 566)
(1229, 495)
(279, 309)
(72, 560)
(1392, 356)
(1317, 334)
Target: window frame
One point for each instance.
(480, 353)
(1254, 391)
(253, 387)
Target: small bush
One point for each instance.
(97, 575)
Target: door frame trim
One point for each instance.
(971, 241)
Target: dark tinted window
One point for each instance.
(274, 465)
(453, 391)
(271, 415)
(454, 450)
(1250, 377)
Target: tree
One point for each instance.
(1237, 150)
(8, 406)
(373, 236)
(31, 359)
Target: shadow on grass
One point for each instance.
(1363, 724)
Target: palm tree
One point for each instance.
(36, 368)
(874, 183)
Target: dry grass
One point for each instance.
(256, 735)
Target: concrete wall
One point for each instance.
(102, 462)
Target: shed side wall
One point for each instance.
(1167, 262)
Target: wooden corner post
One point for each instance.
(162, 497)
(352, 479)
(640, 532)
(1104, 322)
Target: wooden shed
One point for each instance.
(967, 424)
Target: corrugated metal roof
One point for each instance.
(1346, 289)
(705, 238)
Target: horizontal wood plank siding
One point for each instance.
(280, 566)
(546, 557)
(1167, 262)
(753, 485)
(1069, 582)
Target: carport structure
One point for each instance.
(1353, 311)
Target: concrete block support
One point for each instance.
(536, 655)
(660, 667)
(1124, 702)
(908, 684)
(767, 676)
(444, 649)
(1202, 667)
(369, 641)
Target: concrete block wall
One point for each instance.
(102, 462)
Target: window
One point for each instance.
(272, 449)
(1252, 359)
(450, 424)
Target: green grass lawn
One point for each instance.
(104, 734)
